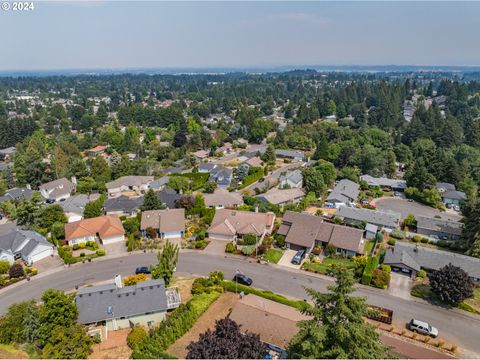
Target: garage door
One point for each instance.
(296, 247)
(41, 255)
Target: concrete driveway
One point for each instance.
(286, 259)
(400, 285)
(216, 247)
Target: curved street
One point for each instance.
(456, 326)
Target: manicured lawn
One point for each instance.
(273, 255)
(368, 247)
(316, 268)
(475, 301)
(338, 261)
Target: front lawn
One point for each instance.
(273, 255)
(471, 305)
(316, 268)
(368, 247)
(338, 261)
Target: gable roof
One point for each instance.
(443, 186)
(293, 176)
(453, 194)
(231, 222)
(21, 242)
(446, 226)
(254, 162)
(383, 181)
(345, 191)
(76, 204)
(376, 217)
(223, 197)
(169, 220)
(168, 197)
(289, 153)
(145, 297)
(105, 226)
(58, 187)
(129, 181)
(123, 203)
(17, 194)
(206, 167)
(280, 196)
(157, 184)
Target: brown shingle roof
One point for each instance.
(104, 226)
(164, 220)
(129, 181)
(223, 197)
(229, 222)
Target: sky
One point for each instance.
(159, 34)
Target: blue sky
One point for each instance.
(109, 34)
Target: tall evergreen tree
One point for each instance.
(151, 201)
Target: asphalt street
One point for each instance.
(455, 326)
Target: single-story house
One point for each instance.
(357, 216)
(448, 229)
(25, 244)
(8, 152)
(57, 190)
(159, 184)
(107, 229)
(344, 193)
(137, 184)
(222, 198)
(97, 150)
(226, 149)
(228, 225)
(169, 223)
(168, 197)
(222, 176)
(304, 231)
(254, 162)
(200, 155)
(173, 170)
(206, 167)
(410, 258)
(118, 307)
(277, 196)
(292, 179)
(290, 154)
(75, 205)
(123, 206)
(450, 195)
(17, 194)
(383, 182)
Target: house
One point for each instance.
(7, 153)
(160, 184)
(345, 193)
(304, 231)
(107, 229)
(173, 170)
(277, 196)
(444, 229)
(117, 307)
(57, 190)
(137, 184)
(222, 198)
(290, 154)
(292, 179)
(17, 194)
(357, 216)
(123, 206)
(75, 205)
(383, 182)
(222, 176)
(450, 195)
(226, 149)
(206, 167)
(200, 155)
(27, 245)
(370, 231)
(169, 223)
(168, 197)
(97, 150)
(228, 225)
(254, 162)
(409, 258)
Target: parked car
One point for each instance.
(261, 180)
(243, 279)
(396, 193)
(297, 259)
(142, 270)
(423, 328)
(410, 200)
(49, 201)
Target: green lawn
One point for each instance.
(316, 268)
(338, 261)
(326, 265)
(475, 301)
(368, 247)
(273, 255)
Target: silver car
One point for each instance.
(423, 328)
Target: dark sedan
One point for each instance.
(142, 270)
(243, 279)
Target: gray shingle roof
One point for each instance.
(383, 181)
(168, 197)
(58, 187)
(454, 194)
(400, 257)
(376, 217)
(157, 184)
(345, 191)
(433, 259)
(21, 241)
(144, 297)
(17, 194)
(289, 153)
(123, 203)
(294, 176)
(446, 226)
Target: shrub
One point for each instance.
(372, 264)
(4, 267)
(386, 268)
(16, 271)
(248, 250)
(201, 244)
(201, 235)
(380, 279)
(136, 336)
(249, 239)
(416, 238)
(76, 247)
(424, 240)
(82, 245)
(134, 279)
(100, 252)
(442, 243)
(82, 254)
(391, 242)
(330, 249)
(280, 241)
(422, 274)
(230, 248)
(205, 285)
(397, 234)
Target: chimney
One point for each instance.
(118, 281)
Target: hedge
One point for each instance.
(372, 264)
(231, 287)
(178, 323)
(250, 179)
(397, 234)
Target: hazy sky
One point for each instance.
(108, 34)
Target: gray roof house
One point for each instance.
(355, 216)
(344, 193)
(159, 184)
(206, 167)
(123, 206)
(121, 307)
(17, 194)
(222, 176)
(26, 244)
(450, 195)
(282, 196)
(57, 189)
(442, 228)
(290, 154)
(292, 179)
(411, 257)
(75, 205)
(383, 182)
(168, 197)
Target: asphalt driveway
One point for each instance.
(405, 207)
